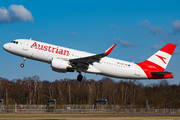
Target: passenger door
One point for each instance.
(26, 45)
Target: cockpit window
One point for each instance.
(15, 42)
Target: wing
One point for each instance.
(84, 62)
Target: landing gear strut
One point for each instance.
(22, 64)
(79, 77)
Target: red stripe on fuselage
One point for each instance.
(149, 67)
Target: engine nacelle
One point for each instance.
(59, 65)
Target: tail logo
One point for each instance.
(162, 58)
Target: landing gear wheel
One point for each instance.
(79, 78)
(22, 65)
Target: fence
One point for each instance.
(83, 109)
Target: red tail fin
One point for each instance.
(158, 62)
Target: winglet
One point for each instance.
(110, 49)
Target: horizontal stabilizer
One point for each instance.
(161, 73)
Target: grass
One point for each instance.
(84, 117)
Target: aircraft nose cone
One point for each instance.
(5, 46)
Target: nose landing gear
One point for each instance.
(22, 64)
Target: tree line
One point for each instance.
(31, 90)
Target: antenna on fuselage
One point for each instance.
(30, 39)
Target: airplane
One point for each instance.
(64, 60)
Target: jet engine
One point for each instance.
(60, 65)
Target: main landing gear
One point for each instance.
(22, 64)
(79, 77)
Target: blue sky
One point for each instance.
(138, 27)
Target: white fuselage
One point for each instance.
(106, 66)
